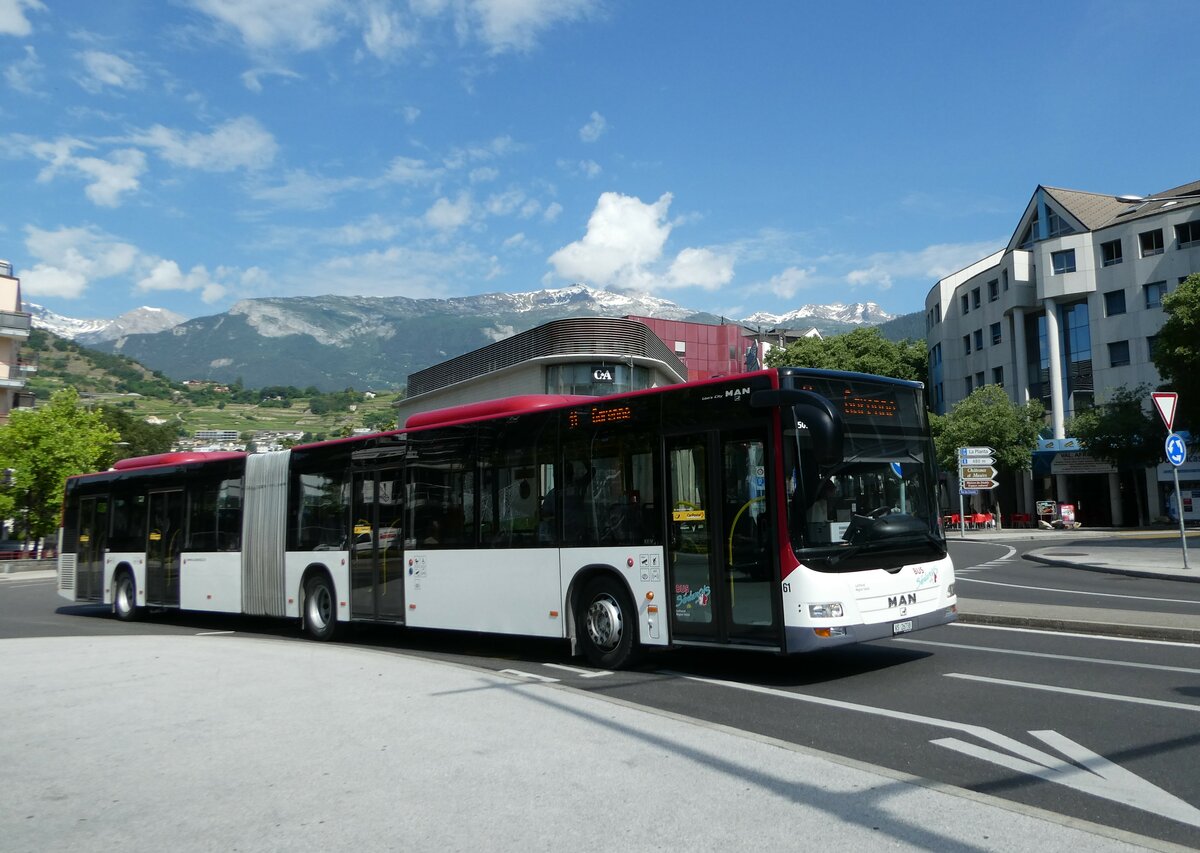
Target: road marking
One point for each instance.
(1109, 637)
(532, 677)
(1095, 775)
(1081, 592)
(1072, 691)
(1099, 777)
(585, 673)
(214, 633)
(1077, 659)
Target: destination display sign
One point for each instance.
(979, 484)
(977, 472)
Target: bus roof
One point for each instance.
(495, 408)
(176, 458)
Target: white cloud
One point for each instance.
(265, 25)
(447, 215)
(302, 191)
(702, 268)
(516, 24)
(484, 174)
(12, 16)
(166, 275)
(108, 179)
(882, 269)
(505, 203)
(252, 78)
(108, 70)
(385, 33)
(408, 170)
(24, 73)
(790, 282)
(236, 144)
(595, 127)
(44, 280)
(590, 168)
(70, 259)
(552, 212)
(411, 114)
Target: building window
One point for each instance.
(965, 304)
(993, 290)
(1004, 278)
(1114, 303)
(975, 298)
(1155, 291)
(968, 386)
(1151, 345)
(1057, 225)
(995, 333)
(1110, 253)
(998, 376)
(937, 313)
(1151, 242)
(680, 347)
(966, 344)
(1118, 353)
(979, 339)
(1188, 233)
(979, 379)
(1064, 261)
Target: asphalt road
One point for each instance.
(1099, 731)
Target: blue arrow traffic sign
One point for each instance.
(1176, 449)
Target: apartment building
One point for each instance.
(1066, 313)
(15, 325)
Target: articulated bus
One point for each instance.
(783, 510)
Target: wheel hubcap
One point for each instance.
(320, 607)
(604, 624)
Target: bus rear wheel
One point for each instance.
(606, 624)
(125, 597)
(320, 615)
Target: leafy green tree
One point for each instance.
(43, 447)
(138, 438)
(1121, 432)
(1177, 350)
(988, 418)
(380, 421)
(863, 350)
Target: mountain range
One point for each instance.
(335, 342)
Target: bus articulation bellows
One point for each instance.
(784, 510)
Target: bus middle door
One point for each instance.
(164, 545)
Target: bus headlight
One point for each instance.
(831, 610)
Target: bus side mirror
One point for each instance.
(815, 412)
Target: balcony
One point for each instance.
(15, 324)
(12, 376)
(27, 365)
(24, 400)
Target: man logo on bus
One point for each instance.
(737, 393)
(898, 600)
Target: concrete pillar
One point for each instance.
(1114, 499)
(1057, 397)
(1021, 367)
(1027, 493)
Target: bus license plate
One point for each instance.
(901, 627)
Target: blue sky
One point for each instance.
(730, 157)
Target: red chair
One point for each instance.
(978, 520)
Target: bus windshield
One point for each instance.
(869, 500)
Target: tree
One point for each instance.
(1177, 349)
(1121, 432)
(988, 418)
(43, 447)
(380, 421)
(138, 438)
(863, 350)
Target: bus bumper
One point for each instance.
(807, 638)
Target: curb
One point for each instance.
(1111, 570)
(1077, 626)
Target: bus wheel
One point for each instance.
(125, 597)
(606, 624)
(320, 617)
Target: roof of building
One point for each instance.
(1096, 210)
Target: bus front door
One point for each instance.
(93, 540)
(376, 553)
(718, 546)
(164, 545)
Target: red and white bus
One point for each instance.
(783, 510)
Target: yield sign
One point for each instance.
(1165, 402)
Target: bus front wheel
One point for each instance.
(125, 597)
(606, 624)
(320, 615)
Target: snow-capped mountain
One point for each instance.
(144, 320)
(858, 313)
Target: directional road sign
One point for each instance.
(1176, 449)
(967, 461)
(979, 484)
(976, 451)
(976, 472)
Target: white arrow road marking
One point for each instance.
(1101, 778)
(584, 673)
(529, 675)
(1096, 776)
